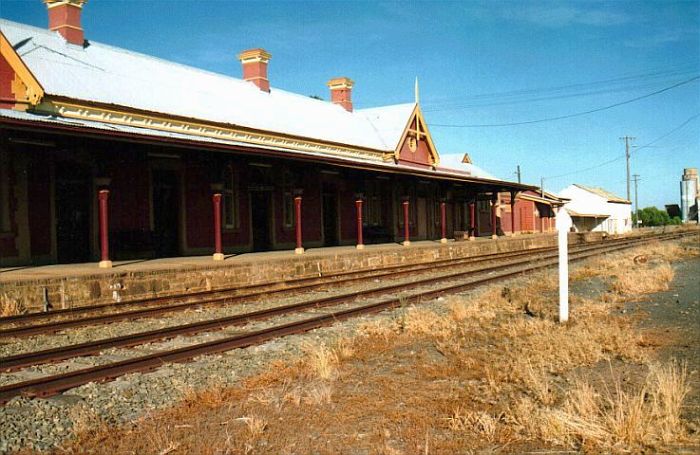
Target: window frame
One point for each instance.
(230, 203)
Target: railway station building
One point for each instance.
(104, 149)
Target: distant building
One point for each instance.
(673, 210)
(595, 209)
(690, 185)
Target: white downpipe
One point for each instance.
(563, 222)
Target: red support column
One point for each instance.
(406, 233)
(358, 206)
(216, 204)
(103, 197)
(512, 213)
(443, 223)
(494, 207)
(472, 220)
(297, 213)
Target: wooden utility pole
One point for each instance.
(636, 198)
(627, 140)
(517, 172)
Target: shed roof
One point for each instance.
(610, 197)
(108, 75)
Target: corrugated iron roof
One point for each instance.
(112, 76)
(603, 193)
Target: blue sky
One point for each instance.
(477, 62)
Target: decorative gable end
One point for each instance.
(416, 146)
(19, 89)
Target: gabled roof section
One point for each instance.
(119, 82)
(416, 139)
(456, 162)
(389, 122)
(34, 90)
(610, 197)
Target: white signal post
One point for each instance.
(563, 222)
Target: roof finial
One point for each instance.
(416, 90)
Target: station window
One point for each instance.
(4, 193)
(230, 200)
(372, 209)
(288, 199)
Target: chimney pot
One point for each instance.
(64, 17)
(254, 62)
(341, 92)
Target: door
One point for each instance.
(166, 213)
(330, 219)
(422, 212)
(72, 187)
(261, 216)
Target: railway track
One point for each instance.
(57, 383)
(25, 325)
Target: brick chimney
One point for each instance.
(341, 92)
(254, 63)
(64, 17)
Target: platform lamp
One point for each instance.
(102, 187)
(298, 192)
(359, 200)
(217, 190)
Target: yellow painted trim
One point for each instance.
(35, 92)
(137, 119)
(420, 125)
(65, 26)
(54, 3)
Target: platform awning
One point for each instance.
(46, 123)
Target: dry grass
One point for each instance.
(620, 420)
(10, 307)
(483, 372)
(321, 361)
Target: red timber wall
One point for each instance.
(8, 245)
(530, 216)
(420, 155)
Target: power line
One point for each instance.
(544, 97)
(678, 71)
(648, 145)
(664, 136)
(577, 114)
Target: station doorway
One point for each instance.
(260, 202)
(72, 199)
(330, 219)
(166, 211)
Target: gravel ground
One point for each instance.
(44, 423)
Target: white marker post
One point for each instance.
(563, 225)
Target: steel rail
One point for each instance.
(15, 362)
(29, 330)
(286, 285)
(20, 318)
(265, 288)
(18, 361)
(57, 383)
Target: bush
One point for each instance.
(651, 216)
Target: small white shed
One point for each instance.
(595, 209)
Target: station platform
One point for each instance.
(71, 285)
